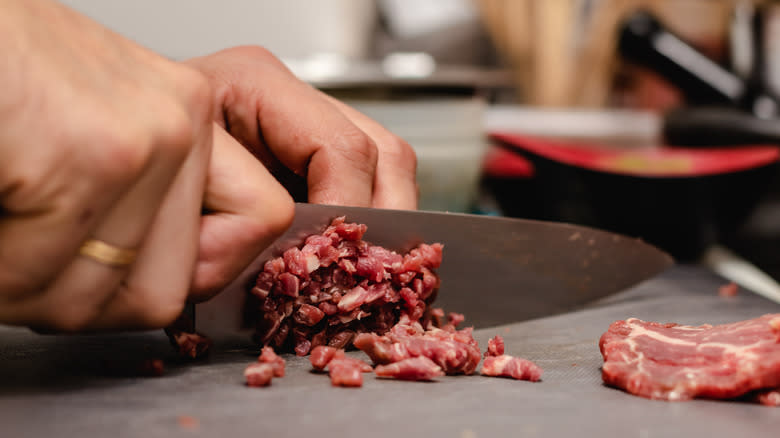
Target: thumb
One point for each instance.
(247, 209)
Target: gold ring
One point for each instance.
(107, 254)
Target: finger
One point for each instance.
(395, 184)
(81, 185)
(155, 290)
(300, 129)
(248, 210)
(312, 138)
(82, 289)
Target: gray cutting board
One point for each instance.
(57, 386)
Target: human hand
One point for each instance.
(345, 157)
(102, 139)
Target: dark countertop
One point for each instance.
(64, 386)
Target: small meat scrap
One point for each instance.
(323, 357)
(320, 356)
(183, 337)
(345, 373)
(413, 368)
(336, 285)
(152, 368)
(728, 290)
(774, 323)
(188, 422)
(191, 345)
(495, 346)
(455, 319)
(454, 352)
(769, 397)
(340, 358)
(436, 319)
(509, 366)
(680, 362)
(268, 366)
(259, 374)
(268, 356)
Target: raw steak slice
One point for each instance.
(336, 285)
(678, 362)
(414, 368)
(509, 366)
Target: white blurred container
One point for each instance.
(182, 29)
(448, 137)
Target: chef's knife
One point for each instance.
(494, 270)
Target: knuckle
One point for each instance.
(357, 146)
(177, 134)
(199, 90)
(124, 155)
(403, 154)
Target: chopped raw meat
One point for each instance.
(437, 316)
(509, 366)
(181, 333)
(152, 368)
(769, 397)
(455, 352)
(336, 285)
(413, 368)
(774, 323)
(188, 422)
(191, 345)
(455, 318)
(436, 319)
(678, 362)
(321, 356)
(340, 358)
(308, 315)
(728, 290)
(259, 374)
(344, 373)
(268, 356)
(495, 346)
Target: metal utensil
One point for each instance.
(514, 269)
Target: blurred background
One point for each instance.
(653, 118)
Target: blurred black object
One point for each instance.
(645, 41)
(682, 214)
(718, 127)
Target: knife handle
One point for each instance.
(718, 127)
(645, 41)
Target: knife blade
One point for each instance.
(495, 270)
